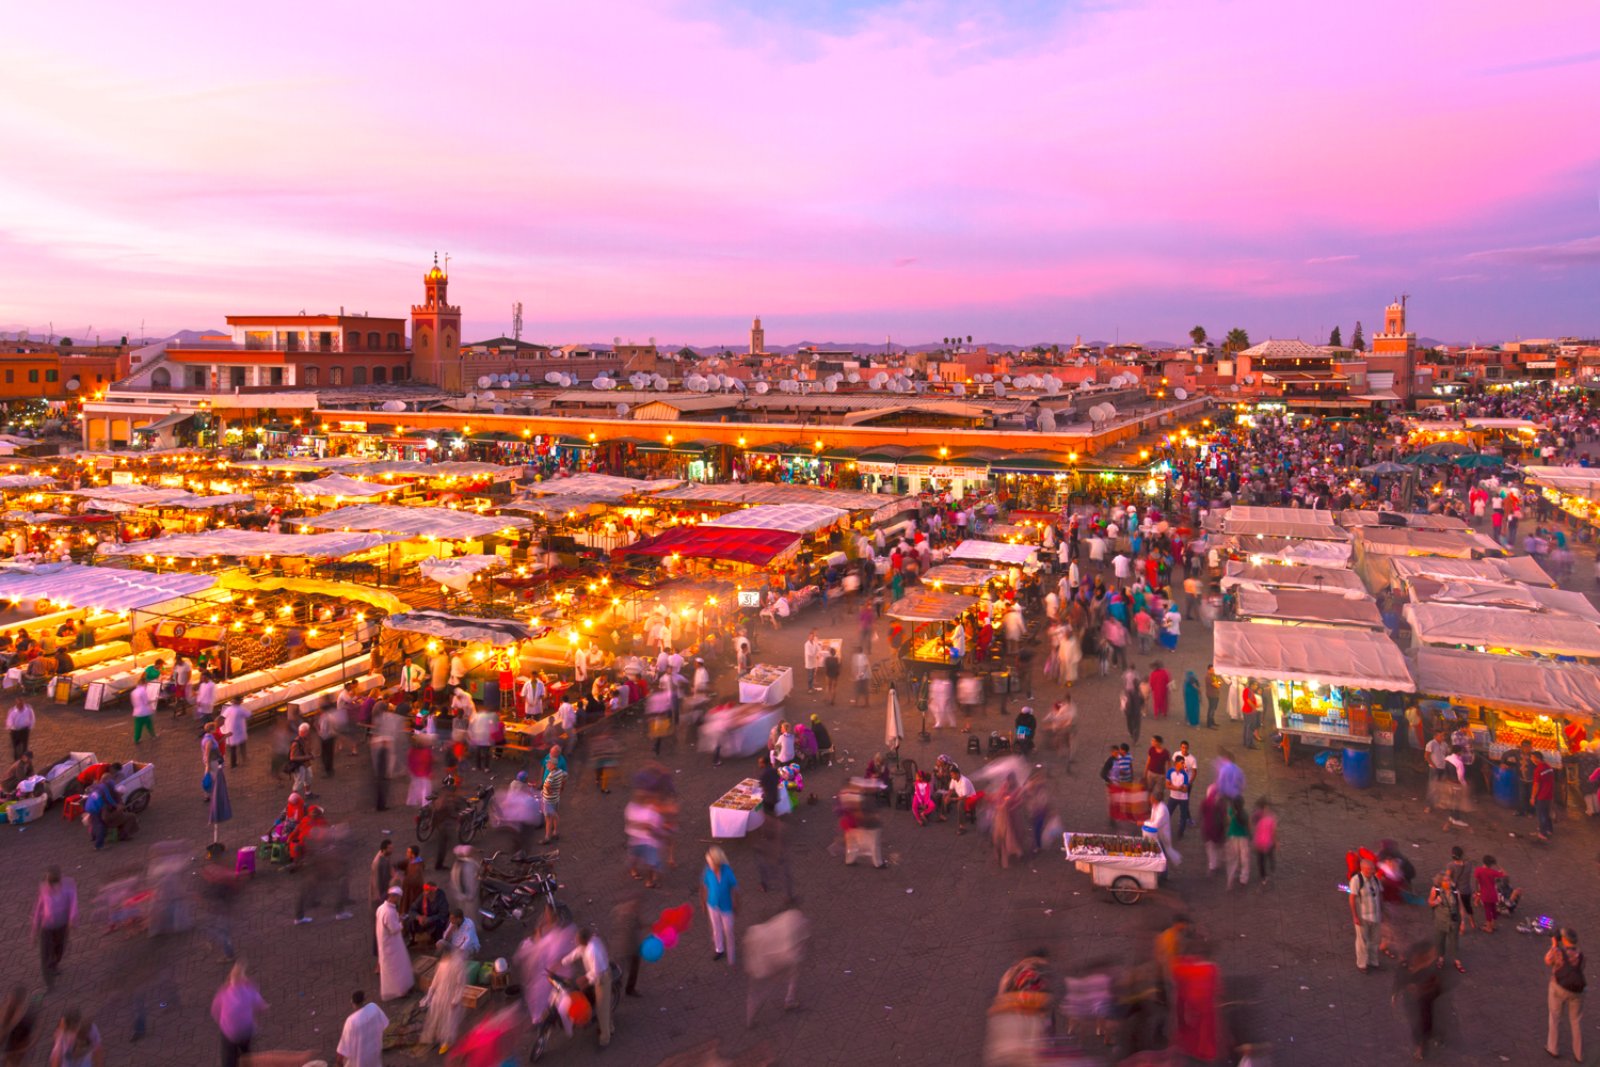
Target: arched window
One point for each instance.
(312, 375)
(400, 374)
(358, 376)
(379, 376)
(373, 341)
(161, 379)
(394, 342)
(352, 341)
(335, 375)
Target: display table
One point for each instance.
(741, 730)
(738, 811)
(766, 684)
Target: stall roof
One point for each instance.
(97, 588)
(1508, 681)
(340, 486)
(442, 523)
(772, 493)
(462, 627)
(1473, 592)
(1569, 479)
(236, 543)
(1300, 605)
(957, 575)
(791, 518)
(1399, 541)
(25, 481)
(930, 605)
(1289, 550)
(296, 464)
(1266, 576)
(1361, 659)
(1282, 522)
(1520, 631)
(994, 552)
(1511, 568)
(600, 486)
(1403, 520)
(757, 547)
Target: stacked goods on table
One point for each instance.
(1092, 846)
(763, 674)
(746, 796)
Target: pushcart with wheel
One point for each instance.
(134, 786)
(1126, 867)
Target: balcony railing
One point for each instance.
(334, 348)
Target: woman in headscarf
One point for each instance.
(1191, 699)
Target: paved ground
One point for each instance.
(903, 961)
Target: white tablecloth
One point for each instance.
(731, 822)
(744, 740)
(774, 693)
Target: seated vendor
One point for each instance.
(21, 769)
(300, 835)
(294, 812)
(429, 914)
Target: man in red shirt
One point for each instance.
(1544, 794)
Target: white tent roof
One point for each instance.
(458, 571)
(25, 481)
(1513, 568)
(439, 522)
(790, 518)
(97, 588)
(1245, 575)
(1363, 659)
(1512, 681)
(462, 627)
(340, 485)
(994, 552)
(1282, 522)
(232, 542)
(774, 493)
(1353, 519)
(297, 465)
(1400, 541)
(127, 497)
(1302, 605)
(599, 486)
(1290, 550)
(930, 605)
(1519, 631)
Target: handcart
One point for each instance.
(1126, 867)
(62, 776)
(134, 785)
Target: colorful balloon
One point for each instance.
(669, 937)
(652, 949)
(578, 1009)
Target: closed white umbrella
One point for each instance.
(893, 731)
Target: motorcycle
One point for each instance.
(557, 1008)
(474, 817)
(498, 898)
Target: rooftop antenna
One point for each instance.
(516, 321)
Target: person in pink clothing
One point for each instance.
(1264, 839)
(922, 798)
(1160, 690)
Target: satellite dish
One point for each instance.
(761, 388)
(525, 376)
(1047, 421)
(483, 382)
(1111, 410)
(1181, 394)
(1052, 384)
(1249, 379)
(737, 385)
(394, 405)
(1233, 388)
(551, 377)
(622, 411)
(958, 389)
(830, 386)
(853, 378)
(1000, 389)
(616, 341)
(73, 385)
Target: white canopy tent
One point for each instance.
(96, 588)
(343, 487)
(1259, 548)
(444, 524)
(1398, 570)
(1508, 681)
(1498, 628)
(994, 552)
(790, 518)
(1362, 659)
(440, 624)
(1307, 606)
(237, 543)
(1243, 521)
(25, 481)
(457, 572)
(1242, 574)
(600, 486)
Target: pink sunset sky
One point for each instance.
(1021, 172)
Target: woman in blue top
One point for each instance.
(721, 890)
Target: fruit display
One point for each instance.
(746, 796)
(1081, 846)
(1514, 736)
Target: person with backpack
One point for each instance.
(1566, 991)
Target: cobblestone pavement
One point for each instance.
(903, 961)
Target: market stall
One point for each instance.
(1319, 684)
(1242, 574)
(738, 811)
(766, 684)
(995, 553)
(1486, 629)
(935, 617)
(960, 578)
(1507, 700)
(1293, 607)
(486, 649)
(737, 729)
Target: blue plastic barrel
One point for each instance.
(1505, 787)
(1358, 767)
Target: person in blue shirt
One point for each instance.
(722, 897)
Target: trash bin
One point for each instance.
(1000, 682)
(1505, 787)
(1358, 767)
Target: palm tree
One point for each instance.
(1237, 341)
(1198, 336)
(969, 338)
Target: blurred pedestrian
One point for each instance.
(721, 891)
(54, 911)
(773, 953)
(1565, 994)
(234, 1009)
(361, 1040)
(1416, 990)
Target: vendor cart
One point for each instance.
(134, 786)
(62, 776)
(1126, 867)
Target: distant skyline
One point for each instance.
(1022, 171)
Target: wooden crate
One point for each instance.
(473, 995)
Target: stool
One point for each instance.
(276, 852)
(999, 744)
(72, 807)
(974, 746)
